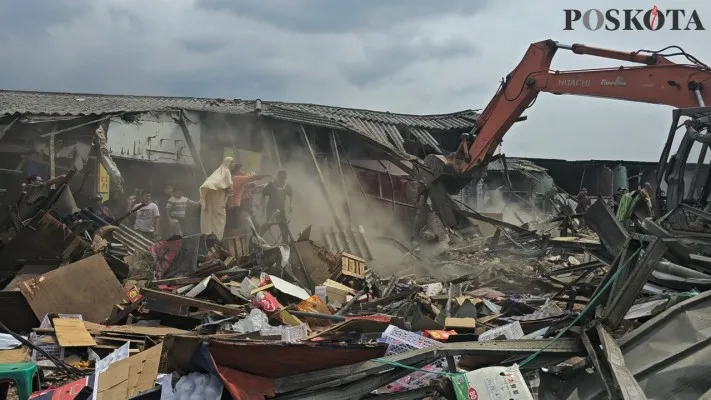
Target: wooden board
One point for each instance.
(87, 287)
(143, 330)
(72, 333)
(15, 356)
(352, 266)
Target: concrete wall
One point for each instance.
(154, 137)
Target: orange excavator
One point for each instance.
(657, 80)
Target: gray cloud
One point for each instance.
(328, 16)
(411, 56)
(139, 48)
(29, 18)
(384, 61)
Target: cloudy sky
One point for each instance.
(411, 56)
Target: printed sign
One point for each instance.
(104, 182)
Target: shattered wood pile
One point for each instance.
(106, 313)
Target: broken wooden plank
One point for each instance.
(168, 303)
(72, 333)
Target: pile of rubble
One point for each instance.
(93, 310)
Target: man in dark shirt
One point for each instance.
(275, 196)
(583, 201)
(100, 208)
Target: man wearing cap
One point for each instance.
(101, 210)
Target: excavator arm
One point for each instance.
(657, 81)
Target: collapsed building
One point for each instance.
(156, 141)
(95, 309)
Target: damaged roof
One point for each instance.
(515, 164)
(382, 127)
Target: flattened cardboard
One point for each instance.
(289, 288)
(143, 370)
(72, 333)
(460, 323)
(86, 287)
(113, 383)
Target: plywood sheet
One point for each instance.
(72, 333)
(87, 287)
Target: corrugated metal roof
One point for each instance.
(19, 102)
(458, 120)
(134, 241)
(382, 127)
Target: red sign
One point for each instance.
(66, 392)
(133, 295)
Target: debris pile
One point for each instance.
(97, 310)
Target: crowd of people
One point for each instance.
(624, 202)
(227, 206)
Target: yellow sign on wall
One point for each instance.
(251, 160)
(104, 182)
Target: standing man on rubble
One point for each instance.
(147, 217)
(162, 203)
(238, 219)
(645, 193)
(100, 208)
(176, 208)
(274, 197)
(583, 201)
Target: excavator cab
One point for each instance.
(684, 175)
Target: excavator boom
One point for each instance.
(657, 81)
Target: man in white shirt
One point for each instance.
(147, 217)
(176, 208)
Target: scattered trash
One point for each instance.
(493, 310)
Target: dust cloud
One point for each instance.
(512, 212)
(345, 202)
(310, 207)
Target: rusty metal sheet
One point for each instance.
(275, 360)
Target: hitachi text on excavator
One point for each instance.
(656, 80)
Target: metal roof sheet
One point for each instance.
(19, 102)
(385, 128)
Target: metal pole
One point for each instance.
(324, 187)
(276, 148)
(52, 158)
(337, 157)
(351, 302)
(189, 141)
